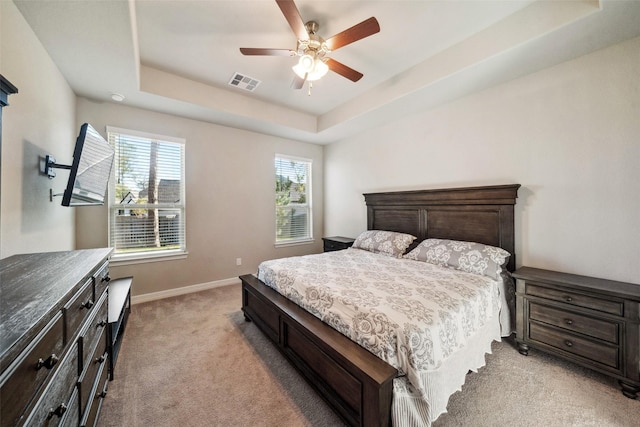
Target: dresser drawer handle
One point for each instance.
(100, 359)
(101, 324)
(106, 279)
(101, 395)
(568, 299)
(87, 305)
(49, 363)
(568, 321)
(568, 343)
(58, 412)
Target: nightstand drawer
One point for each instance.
(594, 351)
(598, 328)
(336, 243)
(579, 300)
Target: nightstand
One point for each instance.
(337, 243)
(592, 322)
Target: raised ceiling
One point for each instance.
(178, 56)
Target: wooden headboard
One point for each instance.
(474, 214)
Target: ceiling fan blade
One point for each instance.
(292, 15)
(298, 81)
(271, 52)
(353, 34)
(343, 70)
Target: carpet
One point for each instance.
(193, 360)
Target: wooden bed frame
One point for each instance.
(354, 382)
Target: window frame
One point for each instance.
(148, 256)
(309, 204)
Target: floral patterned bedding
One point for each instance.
(414, 315)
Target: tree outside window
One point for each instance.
(293, 208)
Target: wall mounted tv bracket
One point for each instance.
(50, 164)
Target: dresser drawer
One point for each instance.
(30, 370)
(93, 333)
(96, 398)
(55, 400)
(598, 328)
(576, 299)
(601, 353)
(101, 279)
(71, 417)
(88, 378)
(78, 308)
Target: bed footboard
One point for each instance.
(354, 382)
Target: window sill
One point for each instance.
(294, 243)
(142, 258)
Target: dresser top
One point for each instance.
(33, 287)
(594, 284)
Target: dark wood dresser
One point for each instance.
(337, 243)
(592, 322)
(53, 337)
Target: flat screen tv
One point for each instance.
(90, 171)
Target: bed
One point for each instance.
(361, 387)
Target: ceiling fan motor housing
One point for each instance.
(315, 46)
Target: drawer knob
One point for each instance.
(58, 412)
(106, 279)
(87, 305)
(568, 343)
(568, 321)
(101, 323)
(101, 395)
(100, 359)
(568, 299)
(49, 363)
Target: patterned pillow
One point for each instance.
(465, 256)
(387, 243)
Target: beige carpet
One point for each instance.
(192, 360)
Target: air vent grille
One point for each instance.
(244, 82)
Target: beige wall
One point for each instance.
(230, 198)
(39, 120)
(569, 134)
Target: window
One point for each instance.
(293, 200)
(147, 197)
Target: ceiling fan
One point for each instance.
(313, 50)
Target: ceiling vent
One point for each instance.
(244, 82)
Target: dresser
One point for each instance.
(592, 322)
(53, 337)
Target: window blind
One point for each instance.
(147, 202)
(293, 199)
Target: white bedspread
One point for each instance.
(433, 324)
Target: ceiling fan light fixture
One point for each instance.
(313, 68)
(319, 70)
(306, 63)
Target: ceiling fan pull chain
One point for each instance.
(310, 86)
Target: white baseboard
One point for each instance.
(137, 299)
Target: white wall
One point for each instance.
(230, 198)
(39, 120)
(569, 134)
